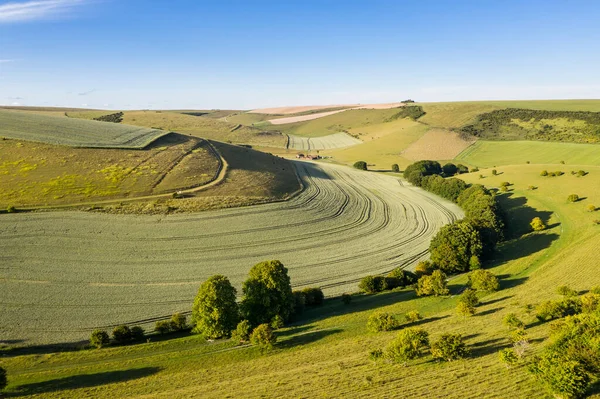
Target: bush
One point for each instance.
(537, 224)
(483, 280)
(361, 165)
(565, 378)
(551, 310)
(395, 168)
(591, 208)
(590, 302)
(494, 172)
(163, 327)
(424, 268)
(475, 169)
(469, 297)
(137, 333)
(11, 209)
(313, 296)
(566, 291)
(267, 293)
(346, 299)
(263, 337)
(381, 321)
(508, 357)
(460, 169)
(409, 344)
(449, 347)
(595, 290)
(504, 184)
(122, 334)
(372, 284)
(277, 322)
(3, 379)
(512, 321)
(454, 246)
(433, 285)
(544, 173)
(99, 339)
(178, 322)
(573, 198)
(413, 316)
(242, 331)
(464, 309)
(581, 173)
(215, 310)
(299, 302)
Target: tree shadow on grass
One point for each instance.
(294, 330)
(423, 321)
(518, 215)
(490, 302)
(83, 381)
(488, 312)
(307, 338)
(522, 247)
(489, 346)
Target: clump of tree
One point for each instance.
(551, 310)
(537, 224)
(372, 284)
(117, 117)
(483, 280)
(360, 165)
(409, 344)
(413, 112)
(263, 337)
(435, 284)
(382, 321)
(122, 334)
(445, 188)
(467, 302)
(242, 332)
(415, 172)
(99, 339)
(449, 347)
(457, 247)
(215, 311)
(397, 278)
(573, 198)
(313, 296)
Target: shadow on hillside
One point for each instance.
(83, 381)
(489, 311)
(307, 338)
(496, 300)
(518, 215)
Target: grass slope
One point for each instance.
(74, 132)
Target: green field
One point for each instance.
(74, 132)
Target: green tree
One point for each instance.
(137, 333)
(372, 284)
(483, 280)
(395, 168)
(508, 357)
(381, 321)
(277, 322)
(99, 339)
(163, 327)
(454, 245)
(512, 321)
(449, 169)
(267, 293)
(567, 379)
(122, 334)
(360, 165)
(433, 285)
(573, 198)
(409, 344)
(242, 331)
(413, 316)
(313, 296)
(467, 302)
(263, 337)
(449, 347)
(537, 224)
(179, 322)
(215, 311)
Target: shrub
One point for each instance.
(494, 172)
(595, 290)
(299, 302)
(313, 296)
(263, 337)
(573, 198)
(566, 291)
(413, 316)
(531, 188)
(464, 309)
(137, 333)
(3, 379)
(453, 247)
(11, 209)
(424, 268)
(277, 322)
(504, 184)
(122, 334)
(346, 299)
(512, 321)
(215, 310)
(409, 344)
(475, 169)
(518, 335)
(403, 277)
(544, 173)
(433, 285)
(99, 339)
(581, 173)
(242, 331)
(565, 378)
(267, 293)
(178, 322)
(504, 189)
(590, 302)
(460, 169)
(508, 357)
(469, 297)
(449, 347)
(591, 208)
(381, 321)
(537, 224)
(551, 310)
(163, 327)
(376, 354)
(395, 168)
(361, 165)
(483, 280)
(372, 284)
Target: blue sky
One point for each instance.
(249, 54)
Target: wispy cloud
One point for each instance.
(6, 61)
(35, 10)
(85, 93)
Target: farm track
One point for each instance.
(63, 274)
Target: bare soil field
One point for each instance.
(339, 140)
(65, 273)
(436, 144)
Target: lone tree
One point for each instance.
(395, 168)
(263, 337)
(573, 198)
(215, 312)
(409, 344)
(456, 248)
(449, 347)
(483, 280)
(433, 285)
(537, 224)
(267, 293)
(362, 165)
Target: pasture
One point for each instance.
(74, 132)
(97, 270)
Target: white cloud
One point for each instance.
(35, 10)
(6, 61)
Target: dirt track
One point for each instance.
(63, 274)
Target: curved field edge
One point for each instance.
(59, 255)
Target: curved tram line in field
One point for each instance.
(62, 274)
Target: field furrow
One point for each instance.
(63, 274)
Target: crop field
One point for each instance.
(74, 132)
(37, 174)
(302, 118)
(495, 153)
(339, 140)
(436, 144)
(64, 274)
